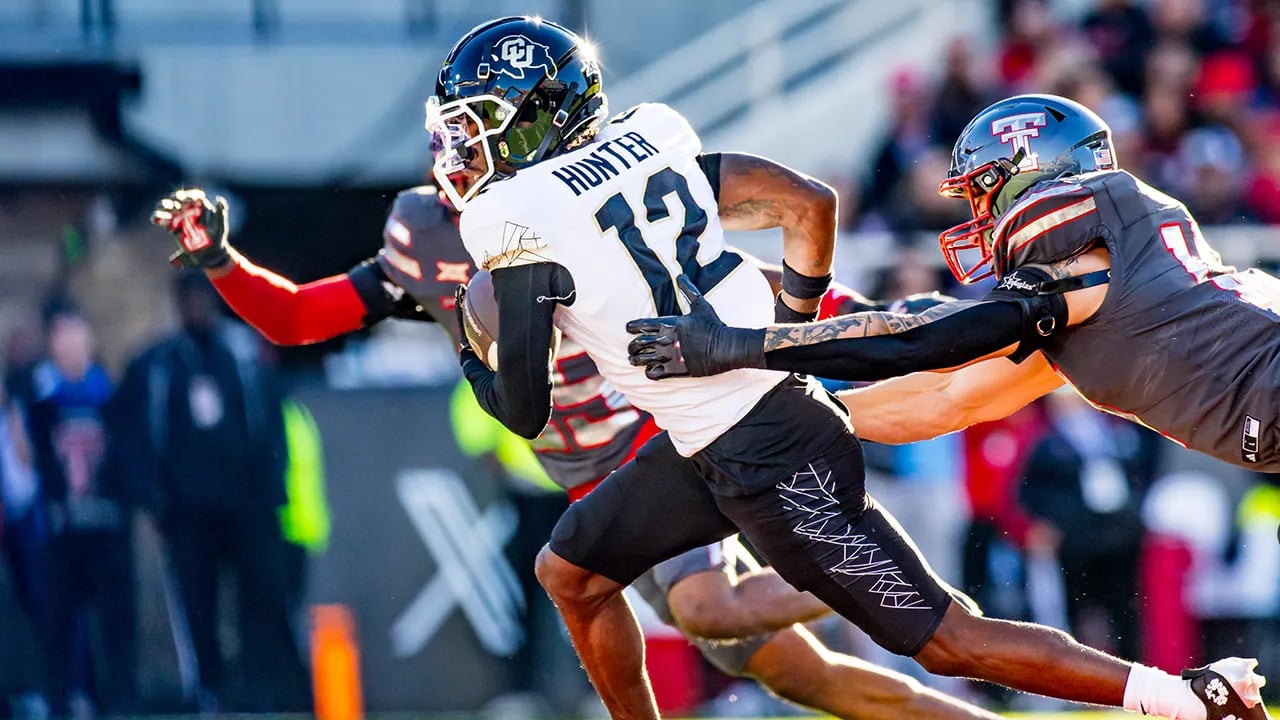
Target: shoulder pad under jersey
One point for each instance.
(660, 123)
(422, 251)
(1053, 221)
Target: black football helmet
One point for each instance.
(1006, 149)
(519, 90)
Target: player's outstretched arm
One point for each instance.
(756, 193)
(284, 312)
(1014, 319)
(890, 411)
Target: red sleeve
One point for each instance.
(289, 314)
(833, 303)
(842, 300)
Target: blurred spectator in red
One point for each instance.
(1028, 30)
(1212, 164)
(1082, 485)
(1265, 45)
(1120, 33)
(1262, 193)
(992, 570)
(92, 630)
(1154, 70)
(1225, 88)
(994, 455)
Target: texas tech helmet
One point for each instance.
(1007, 148)
(519, 90)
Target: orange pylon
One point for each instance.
(335, 664)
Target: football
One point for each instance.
(480, 318)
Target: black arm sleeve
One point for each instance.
(383, 298)
(519, 393)
(951, 340)
(1011, 314)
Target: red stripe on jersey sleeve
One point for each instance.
(289, 314)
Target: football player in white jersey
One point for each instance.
(586, 225)
(741, 618)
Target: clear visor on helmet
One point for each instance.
(458, 132)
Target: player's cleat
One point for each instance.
(1229, 689)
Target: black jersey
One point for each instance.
(592, 426)
(1181, 343)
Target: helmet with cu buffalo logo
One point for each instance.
(518, 90)
(1006, 149)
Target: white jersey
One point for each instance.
(625, 214)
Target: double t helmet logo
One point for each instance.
(1016, 131)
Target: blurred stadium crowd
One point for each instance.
(1191, 89)
(1059, 514)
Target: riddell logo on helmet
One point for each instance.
(1016, 131)
(517, 53)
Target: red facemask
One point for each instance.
(980, 187)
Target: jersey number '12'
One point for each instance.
(617, 215)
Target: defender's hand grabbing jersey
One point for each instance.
(1181, 343)
(624, 215)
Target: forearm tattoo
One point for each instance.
(858, 325)
(764, 213)
(755, 172)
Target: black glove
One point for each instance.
(697, 344)
(198, 224)
(918, 303)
